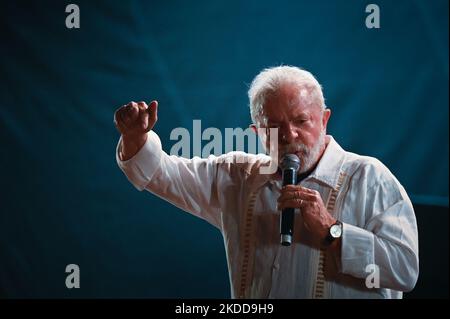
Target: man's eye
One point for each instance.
(300, 121)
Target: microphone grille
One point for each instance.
(290, 161)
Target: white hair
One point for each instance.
(271, 79)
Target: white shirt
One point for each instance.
(379, 225)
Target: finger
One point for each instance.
(144, 119)
(298, 187)
(116, 117)
(129, 113)
(118, 123)
(142, 105)
(292, 203)
(300, 197)
(120, 116)
(143, 115)
(120, 126)
(296, 195)
(133, 113)
(130, 105)
(124, 121)
(304, 190)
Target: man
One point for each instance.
(355, 232)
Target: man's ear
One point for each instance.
(325, 117)
(254, 128)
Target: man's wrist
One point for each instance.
(333, 234)
(131, 145)
(325, 232)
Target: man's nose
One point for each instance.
(288, 134)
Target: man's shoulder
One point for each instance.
(371, 169)
(369, 175)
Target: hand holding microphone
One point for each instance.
(290, 165)
(316, 218)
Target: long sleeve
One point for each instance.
(387, 239)
(190, 184)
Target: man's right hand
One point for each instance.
(134, 121)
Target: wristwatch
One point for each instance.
(334, 233)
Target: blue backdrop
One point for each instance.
(64, 200)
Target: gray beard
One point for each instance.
(308, 157)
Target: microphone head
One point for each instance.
(290, 161)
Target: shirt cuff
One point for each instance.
(142, 166)
(357, 250)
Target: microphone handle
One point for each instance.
(287, 214)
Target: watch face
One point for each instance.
(336, 231)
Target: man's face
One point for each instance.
(301, 126)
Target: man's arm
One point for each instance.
(388, 239)
(130, 146)
(190, 184)
(389, 243)
(385, 238)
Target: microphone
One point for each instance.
(290, 164)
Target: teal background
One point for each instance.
(63, 198)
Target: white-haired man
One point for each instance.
(355, 232)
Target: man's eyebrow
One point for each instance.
(303, 113)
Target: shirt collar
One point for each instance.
(328, 169)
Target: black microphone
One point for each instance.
(290, 165)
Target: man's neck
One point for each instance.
(300, 176)
(304, 175)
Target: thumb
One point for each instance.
(152, 113)
(152, 107)
(149, 116)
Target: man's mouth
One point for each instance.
(299, 153)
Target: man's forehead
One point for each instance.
(291, 96)
(295, 107)
(287, 102)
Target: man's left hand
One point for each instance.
(315, 215)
